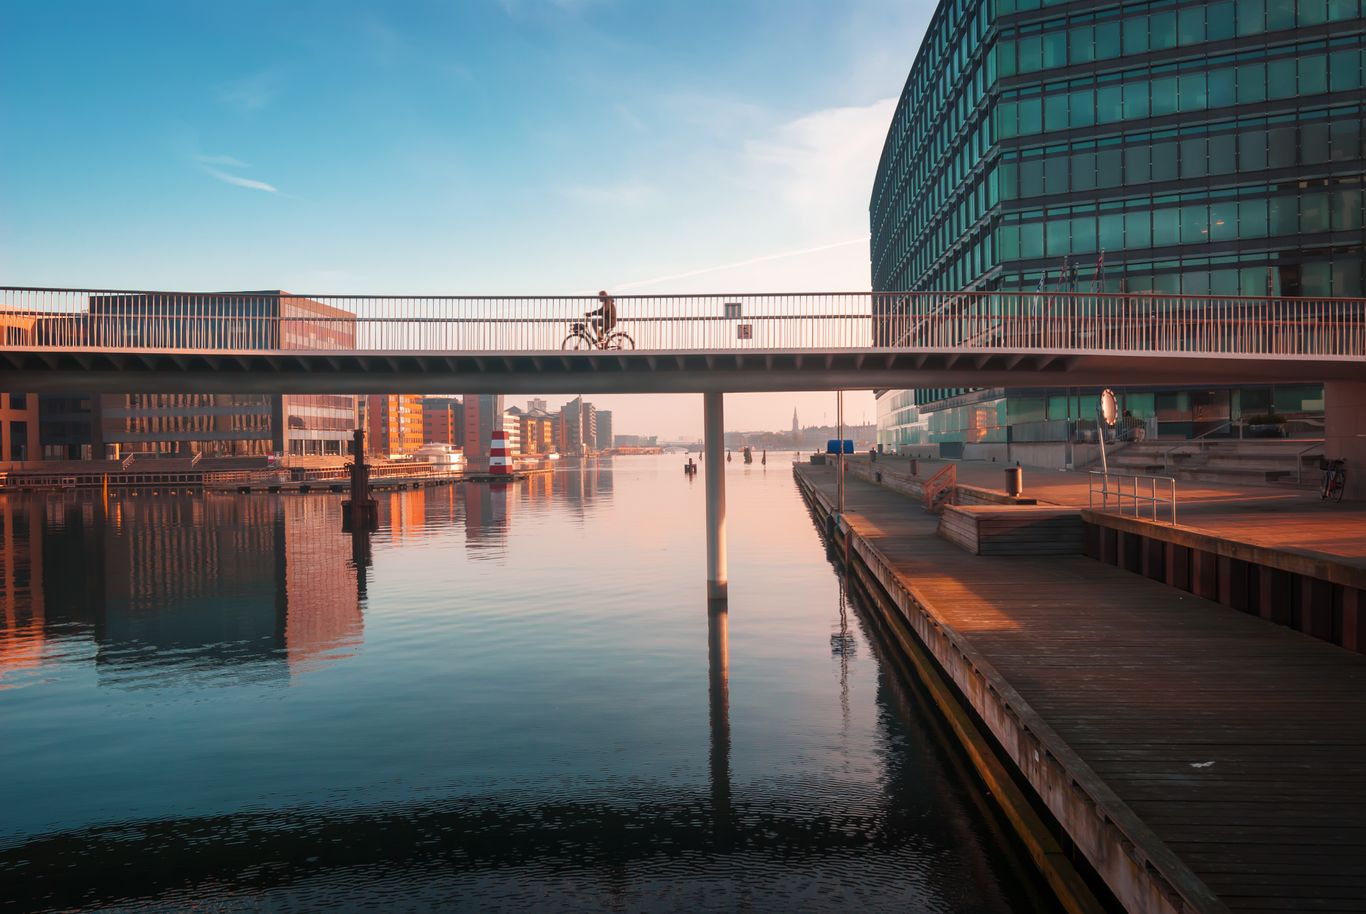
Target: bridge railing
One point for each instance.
(69, 319)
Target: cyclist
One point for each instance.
(607, 308)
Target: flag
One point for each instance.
(1098, 284)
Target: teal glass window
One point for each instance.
(1163, 92)
(1136, 35)
(1347, 210)
(1110, 231)
(1313, 12)
(1345, 139)
(1082, 105)
(1193, 161)
(1222, 87)
(1280, 144)
(1031, 240)
(1081, 44)
(1223, 282)
(1195, 282)
(1251, 83)
(1191, 91)
(1162, 30)
(1283, 215)
(1055, 173)
(1166, 226)
(1135, 100)
(1342, 9)
(1004, 57)
(1109, 104)
(1313, 75)
(1008, 242)
(1031, 116)
(1190, 24)
(1054, 49)
(1007, 120)
(1031, 177)
(1164, 161)
(1058, 233)
(1316, 279)
(1136, 164)
(1009, 178)
(1084, 171)
(1108, 43)
(1083, 234)
(1280, 14)
(1194, 224)
(1344, 69)
(1223, 221)
(1280, 78)
(1055, 111)
(1314, 212)
(1029, 52)
(1223, 154)
(1251, 17)
(1314, 143)
(1220, 21)
(1110, 168)
(1252, 150)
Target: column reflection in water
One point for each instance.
(718, 693)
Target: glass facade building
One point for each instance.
(1205, 147)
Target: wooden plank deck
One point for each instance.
(1240, 745)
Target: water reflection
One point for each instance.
(530, 725)
(231, 587)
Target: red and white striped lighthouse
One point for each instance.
(500, 464)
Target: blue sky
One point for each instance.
(522, 146)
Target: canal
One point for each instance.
(515, 698)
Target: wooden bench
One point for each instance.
(1014, 529)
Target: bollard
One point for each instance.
(1014, 481)
(915, 467)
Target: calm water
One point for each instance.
(514, 699)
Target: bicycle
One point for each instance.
(581, 337)
(1334, 479)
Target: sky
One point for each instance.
(475, 147)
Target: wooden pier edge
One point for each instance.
(1142, 872)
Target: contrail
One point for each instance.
(740, 263)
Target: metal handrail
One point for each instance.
(1299, 461)
(1198, 441)
(45, 319)
(1106, 491)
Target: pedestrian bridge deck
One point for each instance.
(1229, 752)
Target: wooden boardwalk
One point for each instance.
(1237, 746)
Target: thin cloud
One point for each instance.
(624, 194)
(228, 161)
(250, 93)
(207, 164)
(781, 255)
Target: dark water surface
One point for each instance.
(517, 701)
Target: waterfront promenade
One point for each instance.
(1287, 519)
(1200, 758)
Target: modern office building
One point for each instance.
(443, 421)
(537, 429)
(483, 413)
(393, 424)
(1205, 148)
(19, 427)
(216, 424)
(603, 433)
(578, 427)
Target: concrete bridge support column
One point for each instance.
(1344, 430)
(713, 426)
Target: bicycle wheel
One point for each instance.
(619, 340)
(1340, 484)
(577, 341)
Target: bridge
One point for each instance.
(137, 341)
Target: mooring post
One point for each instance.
(713, 422)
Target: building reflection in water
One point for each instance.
(215, 587)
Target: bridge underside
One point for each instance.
(301, 372)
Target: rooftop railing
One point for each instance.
(70, 319)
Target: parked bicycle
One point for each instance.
(1334, 478)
